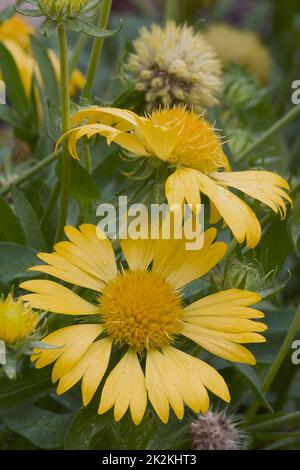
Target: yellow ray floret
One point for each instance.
(193, 152)
(140, 308)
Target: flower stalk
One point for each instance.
(65, 115)
(280, 124)
(97, 49)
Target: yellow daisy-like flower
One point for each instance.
(17, 30)
(233, 45)
(194, 153)
(174, 65)
(17, 321)
(140, 310)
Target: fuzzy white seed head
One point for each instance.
(173, 66)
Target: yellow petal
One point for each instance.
(125, 387)
(262, 185)
(53, 297)
(179, 266)
(201, 371)
(138, 253)
(60, 340)
(160, 139)
(162, 387)
(220, 344)
(75, 350)
(236, 213)
(66, 271)
(96, 370)
(119, 118)
(156, 392)
(224, 299)
(91, 368)
(98, 252)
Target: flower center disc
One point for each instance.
(141, 309)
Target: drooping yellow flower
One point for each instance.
(140, 311)
(193, 151)
(233, 45)
(18, 30)
(174, 65)
(17, 321)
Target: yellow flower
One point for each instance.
(17, 30)
(17, 321)
(233, 45)
(194, 154)
(174, 65)
(140, 311)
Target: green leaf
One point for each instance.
(50, 88)
(12, 79)
(84, 427)
(26, 388)
(47, 27)
(28, 220)
(272, 251)
(15, 260)
(251, 377)
(92, 30)
(83, 187)
(41, 427)
(9, 224)
(294, 226)
(29, 12)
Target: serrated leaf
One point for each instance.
(28, 220)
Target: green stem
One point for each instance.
(87, 158)
(280, 124)
(97, 49)
(291, 418)
(65, 115)
(268, 380)
(27, 174)
(171, 11)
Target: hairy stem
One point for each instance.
(97, 49)
(65, 115)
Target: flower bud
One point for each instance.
(61, 9)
